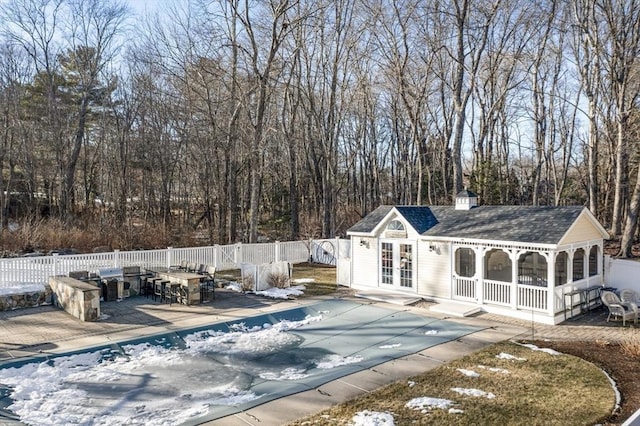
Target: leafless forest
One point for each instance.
(237, 119)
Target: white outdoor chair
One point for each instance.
(630, 298)
(618, 308)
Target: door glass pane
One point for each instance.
(386, 260)
(406, 266)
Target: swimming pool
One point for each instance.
(200, 374)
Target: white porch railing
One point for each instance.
(531, 297)
(465, 288)
(497, 292)
(15, 272)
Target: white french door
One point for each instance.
(397, 268)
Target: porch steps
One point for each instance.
(455, 309)
(388, 297)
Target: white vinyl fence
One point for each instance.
(621, 273)
(16, 272)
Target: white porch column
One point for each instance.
(570, 265)
(551, 282)
(601, 263)
(480, 251)
(513, 255)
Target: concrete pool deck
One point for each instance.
(45, 329)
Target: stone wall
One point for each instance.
(80, 299)
(25, 299)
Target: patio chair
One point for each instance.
(161, 289)
(207, 284)
(618, 308)
(181, 267)
(630, 298)
(202, 269)
(146, 286)
(174, 293)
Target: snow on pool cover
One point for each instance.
(197, 375)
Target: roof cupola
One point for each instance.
(466, 200)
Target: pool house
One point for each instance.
(536, 263)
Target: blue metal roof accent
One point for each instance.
(419, 217)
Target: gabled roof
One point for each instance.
(525, 224)
(420, 218)
(370, 221)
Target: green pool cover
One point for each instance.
(196, 375)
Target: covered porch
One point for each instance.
(545, 283)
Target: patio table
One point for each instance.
(188, 280)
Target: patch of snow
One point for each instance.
(286, 374)
(372, 418)
(455, 411)
(234, 286)
(411, 383)
(468, 373)
(21, 289)
(332, 361)
(244, 340)
(428, 403)
(504, 355)
(474, 392)
(303, 280)
(282, 293)
(390, 346)
(546, 350)
(431, 332)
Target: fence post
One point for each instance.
(238, 254)
(169, 257)
(216, 249)
(55, 264)
(116, 258)
(337, 255)
(277, 251)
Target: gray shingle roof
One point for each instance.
(526, 224)
(370, 221)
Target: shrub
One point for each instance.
(630, 344)
(248, 283)
(278, 280)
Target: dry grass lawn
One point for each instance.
(544, 389)
(323, 276)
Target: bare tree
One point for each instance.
(471, 24)
(264, 38)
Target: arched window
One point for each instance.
(465, 262)
(593, 261)
(497, 266)
(532, 269)
(578, 265)
(395, 225)
(562, 264)
(395, 229)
